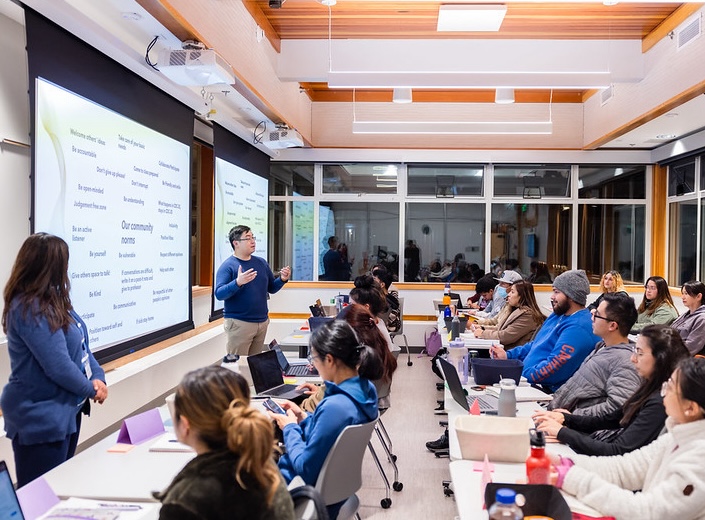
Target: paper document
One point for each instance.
(523, 393)
(85, 509)
(168, 442)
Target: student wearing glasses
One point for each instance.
(243, 282)
(665, 479)
(607, 377)
(657, 352)
(657, 305)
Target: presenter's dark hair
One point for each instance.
(216, 402)
(622, 309)
(368, 291)
(338, 339)
(668, 350)
(39, 280)
(237, 232)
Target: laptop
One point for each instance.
(267, 377)
(297, 369)
(9, 504)
(488, 403)
(317, 322)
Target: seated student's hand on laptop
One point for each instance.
(541, 416)
(308, 388)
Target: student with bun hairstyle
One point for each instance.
(350, 398)
(233, 475)
(369, 293)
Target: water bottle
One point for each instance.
(446, 312)
(507, 398)
(505, 507)
(446, 294)
(454, 328)
(538, 465)
(458, 357)
(472, 355)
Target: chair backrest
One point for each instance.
(341, 474)
(399, 331)
(308, 504)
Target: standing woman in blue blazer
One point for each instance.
(53, 373)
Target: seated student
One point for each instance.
(234, 474)
(517, 323)
(657, 305)
(611, 282)
(368, 292)
(391, 315)
(607, 377)
(564, 340)
(499, 297)
(691, 324)
(484, 292)
(366, 328)
(350, 398)
(656, 354)
(665, 479)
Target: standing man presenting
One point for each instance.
(243, 282)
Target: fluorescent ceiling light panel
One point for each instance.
(470, 18)
(450, 127)
(465, 80)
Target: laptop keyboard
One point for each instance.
(486, 402)
(299, 370)
(280, 390)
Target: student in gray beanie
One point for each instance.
(574, 284)
(564, 340)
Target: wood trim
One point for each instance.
(200, 290)
(112, 365)
(655, 112)
(669, 24)
(170, 18)
(658, 220)
(263, 22)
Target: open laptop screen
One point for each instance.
(9, 505)
(265, 370)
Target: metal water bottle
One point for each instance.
(507, 398)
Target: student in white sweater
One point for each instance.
(665, 479)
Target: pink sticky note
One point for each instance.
(486, 478)
(36, 498)
(141, 427)
(480, 466)
(475, 408)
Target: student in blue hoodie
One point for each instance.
(350, 398)
(565, 338)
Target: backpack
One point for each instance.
(393, 318)
(432, 342)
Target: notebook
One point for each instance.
(9, 505)
(296, 369)
(488, 403)
(267, 376)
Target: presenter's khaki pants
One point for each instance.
(245, 338)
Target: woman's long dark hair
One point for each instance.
(668, 350)
(663, 295)
(40, 281)
(368, 291)
(691, 379)
(338, 339)
(365, 326)
(527, 298)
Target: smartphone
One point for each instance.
(271, 405)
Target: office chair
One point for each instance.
(341, 475)
(308, 503)
(400, 332)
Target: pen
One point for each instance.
(121, 507)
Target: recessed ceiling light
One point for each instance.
(470, 18)
(672, 114)
(666, 136)
(328, 2)
(131, 16)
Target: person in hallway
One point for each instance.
(611, 282)
(346, 269)
(691, 324)
(539, 273)
(517, 322)
(564, 340)
(243, 282)
(657, 306)
(350, 398)
(333, 267)
(412, 261)
(53, 374)
(665, 479)
(233, 475)
(657, 352)
(607, 377)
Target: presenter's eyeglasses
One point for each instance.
(250, 238)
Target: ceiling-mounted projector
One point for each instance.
(282, 138)
(195, 67)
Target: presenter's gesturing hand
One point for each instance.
(101, 391)
(246, 277)
(285, 273)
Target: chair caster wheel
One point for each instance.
(409, 363)
(448, 492)
(386, 503)
(394, 458)
(397, 486)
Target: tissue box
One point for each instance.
(503, 439)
